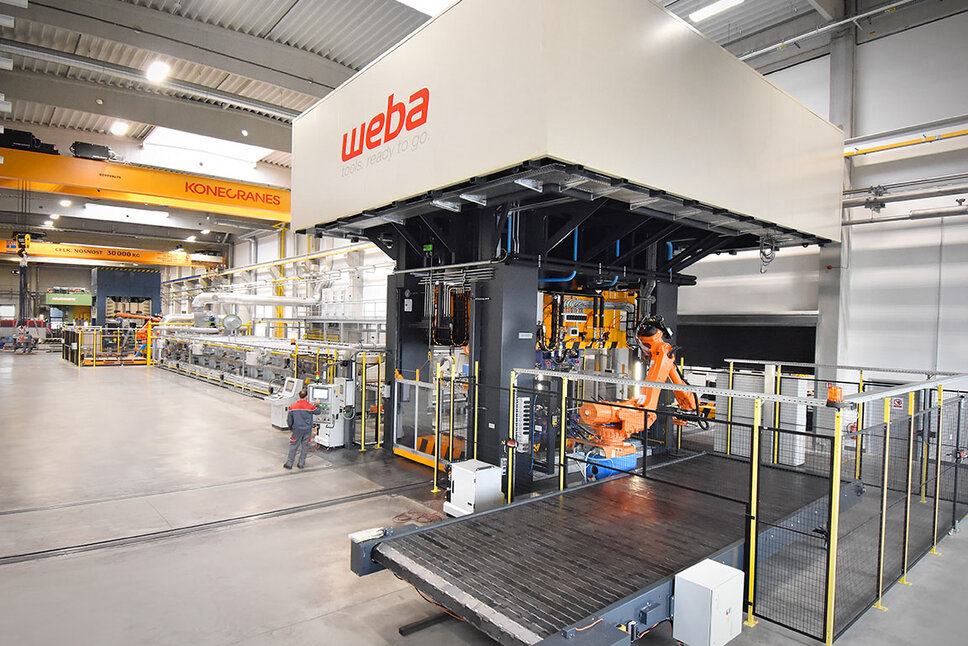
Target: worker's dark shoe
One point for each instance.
(300, 466)
(287, 466)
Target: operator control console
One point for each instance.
(336, 411)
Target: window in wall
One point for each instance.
(8, 311)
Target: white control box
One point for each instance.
(474, 486)
(708, 604)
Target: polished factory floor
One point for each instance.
(92, 455)
(141, 507)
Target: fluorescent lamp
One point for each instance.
(205, 232)
(54, 216)
(157, 71)
(119, 128)
(428, 7)
(711, 10)
(48, 223)
(190, 239)
(65, 202)
(123, 214)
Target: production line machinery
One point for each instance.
(258, 366)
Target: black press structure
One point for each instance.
(542, 226)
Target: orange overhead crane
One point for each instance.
(614, 422)
(35, 250)
(103, 180)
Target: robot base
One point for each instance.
(606, 467)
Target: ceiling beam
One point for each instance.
(829, 9)
(235, 52)
(157, 110)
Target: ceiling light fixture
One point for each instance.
(190, 239)
(711, 10)
(128, 214)
(54, 216)
(205, 232)
(157, 71)
(245, 133)
(65, 202)
(48, 223)
(119, 128)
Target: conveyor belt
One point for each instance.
(523, 573)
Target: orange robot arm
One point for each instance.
(612, 424)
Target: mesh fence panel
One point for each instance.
(791, 549)
(692, 458)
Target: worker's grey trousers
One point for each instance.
(300, 442)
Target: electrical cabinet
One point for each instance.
(708, 604)
(474, 486)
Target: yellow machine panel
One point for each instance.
(588, 322)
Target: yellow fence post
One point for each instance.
(885, 465)
(363, 409)
(450, 439)
(926, 446)
(511, 438)
(379, 401)
(754, 498)
(436, 489)
(97, 337)
(835, 460)
(729, 415)
(477, 390)
(776, 416)
(148, 346)
(909, 479)
(563, 424)
(937, 471)
(859, 440)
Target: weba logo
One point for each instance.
(382, 128)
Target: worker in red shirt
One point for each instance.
(300, 422)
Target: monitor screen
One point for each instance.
(318, 393)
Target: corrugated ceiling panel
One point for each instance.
(266, 92)
(134, 57)
(742, 20)
(78, 120)
(39, 67)
(254, 17)
(33, 33)
(278, 159)
(29, 113)
(351, 32)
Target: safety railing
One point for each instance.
(97, 346)
(370, 370)
(435, 423)
(828, 527)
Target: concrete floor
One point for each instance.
(89, 455)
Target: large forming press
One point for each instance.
(541, 201)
